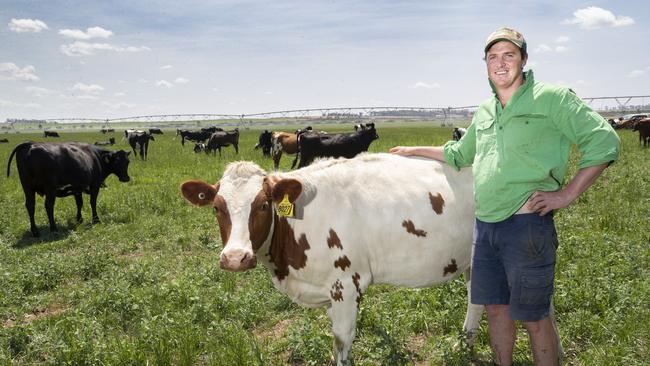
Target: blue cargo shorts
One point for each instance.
(514, 263)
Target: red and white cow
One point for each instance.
(377, 218)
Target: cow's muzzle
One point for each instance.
(237, 260)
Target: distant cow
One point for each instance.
(643, 126)
(2, 141)
(140, 139)
(355, 223)
(110, 141)
(220, 139)
(155, 131)
(265, 143)
(195, 136)
(345, 145)
(458, 133)
(50, 134)
(211, 129)
(199, 147)
(106, 130)
(65, 169)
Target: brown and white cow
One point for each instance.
(356, 222)
(283, 142)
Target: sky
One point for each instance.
(122, 58)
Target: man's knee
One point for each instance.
(542, 325)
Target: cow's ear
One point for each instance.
(288, 186)
(198, 192)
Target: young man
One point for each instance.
(519, 143)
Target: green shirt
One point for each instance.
(525, 146)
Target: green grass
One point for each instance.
(144, 287)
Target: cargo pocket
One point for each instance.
(536, 291)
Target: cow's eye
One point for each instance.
(264, 206)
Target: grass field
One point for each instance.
(143, 287)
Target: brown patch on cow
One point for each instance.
(333, 240)
(260, 219)
(336, 293)
(355, 279)
(342, 263)
(289, 142)
(410, 228)
(223, 218)
(285, 251)
(451, 268)
(437, 203)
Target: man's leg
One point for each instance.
(503, 333)
(543, 340)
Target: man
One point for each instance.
(519, 144)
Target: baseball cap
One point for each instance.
(506, 34)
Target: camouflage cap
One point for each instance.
(506, 34)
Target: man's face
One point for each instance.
(505, 65)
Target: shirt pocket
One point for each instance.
(527, 131)
(486, 138)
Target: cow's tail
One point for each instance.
(12, 156)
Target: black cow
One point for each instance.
(211, 129)
(140, 139)
(196, 136)
(110, 141)
(199, 147)
(223, 138)
(2, 141)
(643, 127)
(65, 169)
(105, 130)
(265, 143)
(458, 133)
(347, 145)
(156, 131)
(50, 134)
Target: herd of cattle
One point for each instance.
(637, 122)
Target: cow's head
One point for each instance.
(118, 164)
(243, 203)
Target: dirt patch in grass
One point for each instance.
(276, 332)
(36, 314)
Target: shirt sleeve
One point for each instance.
(596, 140)
(461, 153)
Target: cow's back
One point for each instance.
(403, 220)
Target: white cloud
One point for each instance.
(421, 84)
(10, 71)
(544, 48)
(181, 80)
(561, 48)
(10, 104)
(268, 93)
(88, 88)
(80, 48)
(593, 17)
(120, 105)
(93, 32)
(166, 67)
(26, 25)
(636, 74)
(38, 92)
(562, 39)
(119, 94)
(164, 83)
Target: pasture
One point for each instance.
(144, 286)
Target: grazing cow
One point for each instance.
(458, 133)
(4, 141)
(223, 138)
(345, 145)
(283, 142)
(355, 222)
(265, 143)
(199, 147)
(140, 139)
(195, 136)
(155, 131)
(111, 141)
(106, 130)
(643, 126)
(50, 134)
(65, 169)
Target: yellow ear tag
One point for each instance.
(285, 208)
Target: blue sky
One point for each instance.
(118, 58)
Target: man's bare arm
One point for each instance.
(431, 152)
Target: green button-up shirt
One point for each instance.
(524, 147)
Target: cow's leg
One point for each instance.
(93, 204)
(474, 312)
(346, 297)
(79, 200)
(295, 160)
(30, 202)
(142, 152)
(276, 159)
(49, 209)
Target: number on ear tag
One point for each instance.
(285, 208)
